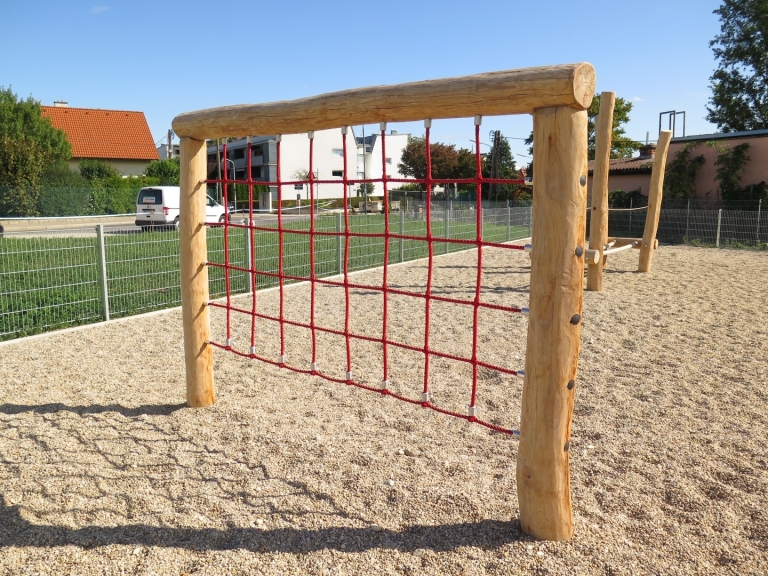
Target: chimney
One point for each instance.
(59, 104)
(648, 151)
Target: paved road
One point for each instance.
(86, 226)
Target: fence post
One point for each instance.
(530, 221)
(688, 218)
(402, 233)
(339, 243)
(447, 225)
(102, 254)
(630, 216)
(509, 222)
(719, 218)
(759, 206)
(248, 262)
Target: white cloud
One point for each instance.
(99, 9)
(637, 99)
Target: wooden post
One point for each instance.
(654, 201)
(554, 322)
(598, 225)
(198, 355)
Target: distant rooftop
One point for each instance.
(106, 134)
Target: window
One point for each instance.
(337, 173)
(239, 153)
(239, 174)
(150, 196)
(255, 171)
(258, 150)
(337, 152)
(389, 160)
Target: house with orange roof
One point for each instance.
(119, 137)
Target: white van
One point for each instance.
(159, 206)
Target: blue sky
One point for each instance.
(163, 58)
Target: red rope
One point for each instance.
(430, 268)
(312, 251)
(384, 288)
(252, 236)
(281, 279)
(226, 245)
(382, 391)
(346, 257)
(479, 279)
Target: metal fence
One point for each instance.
(718, 228)
(52, 279)
(57, 278)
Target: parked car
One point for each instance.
(159, 206)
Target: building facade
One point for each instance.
(363, 160)
(629, 174)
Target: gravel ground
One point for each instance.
(105, 471)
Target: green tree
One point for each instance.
(680, 176)
(621, 145)
(500, 164)
(740, 83)
(447, 162)
(97, 170)
(22, 160)
(166, 171)
(28, 145)
(729, 167)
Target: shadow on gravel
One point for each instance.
(146, 409)
(487, 534)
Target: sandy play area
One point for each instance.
(103, 470)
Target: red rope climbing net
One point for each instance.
(347, 234)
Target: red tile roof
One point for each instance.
(107, 134)
(637, 165)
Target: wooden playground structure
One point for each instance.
(600, 244)
(558, 98)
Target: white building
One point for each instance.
(370, 163)
(363, 161)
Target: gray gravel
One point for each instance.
(105, 471)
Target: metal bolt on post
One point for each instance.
(339, 243)
(102, 256)
(719, 218)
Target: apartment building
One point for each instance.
(363, 160)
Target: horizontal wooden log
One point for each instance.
(636, 242)
(616, 249)
(489, 94)
(592, 256)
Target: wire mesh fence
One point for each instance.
(56, 278)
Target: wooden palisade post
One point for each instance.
(654, 202)
(554, 327)
(198, 355)
(598, 226)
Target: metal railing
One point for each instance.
(52, 279)
(718, 228)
